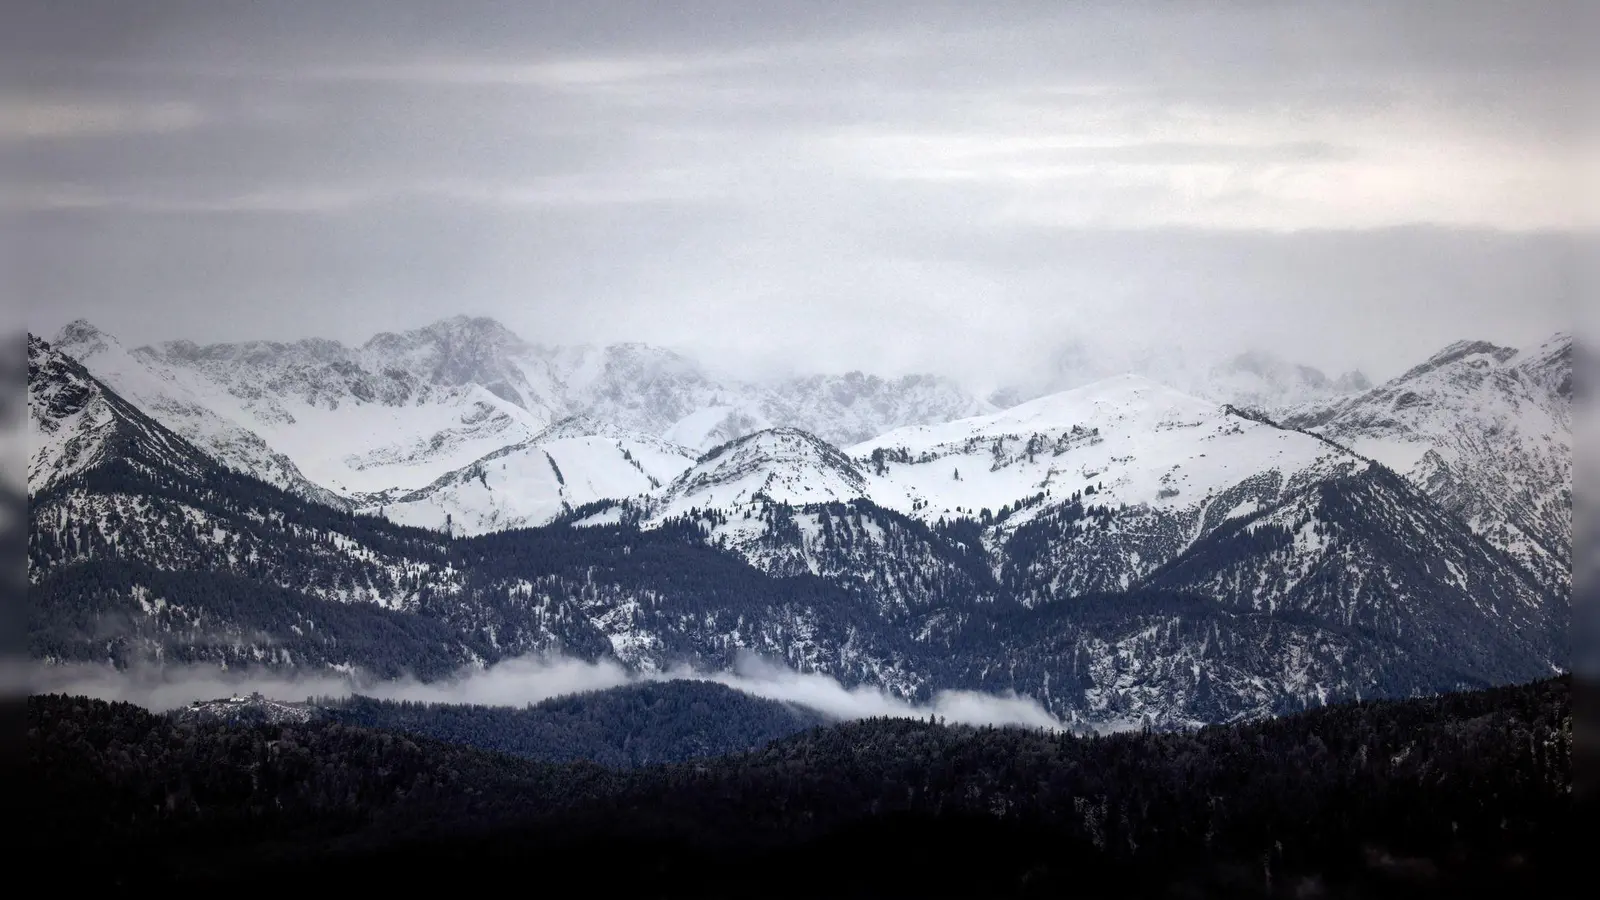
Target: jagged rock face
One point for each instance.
(458, 352)
(67, 418)
(1484, 430)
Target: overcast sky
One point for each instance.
(890, 186)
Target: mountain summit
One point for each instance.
(1483, 429)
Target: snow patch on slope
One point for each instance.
(571, 464)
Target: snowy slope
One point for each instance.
(792, 504)
(779, 466)
(574, 462)
(1123, 476)
(1127, 440)
(398, 412)
(176, 403)
(1484, 430)
(75, 425)
(1366, 551)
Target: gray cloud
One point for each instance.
(885, 185)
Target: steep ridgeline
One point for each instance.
(75, 426)
(1077, 492)
(187, 408)
(1088, 491)
(141, 547)
(1370, 553)
(1484, 430)
(405, 410)
(1091, 490)
(793, 504)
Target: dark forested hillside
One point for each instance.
(625, 727)
(1456, 795)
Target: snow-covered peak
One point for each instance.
(573, 463)
(79, 335)
(461, 331)
(397, 414)
(194, 409)
(781, 465)
(76, 424)
(1483, 429)
(1479, 354)
(462, 351)
(102, 352)
(407, 408)
(67, 419)
(1549, 363)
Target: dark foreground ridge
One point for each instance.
(623, 727)
(1458, 795)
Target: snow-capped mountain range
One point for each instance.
(1120, 550)
(464, 425)
(1125, 442)
(329, 421)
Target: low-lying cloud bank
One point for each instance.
(514, 682)
(753, 675)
